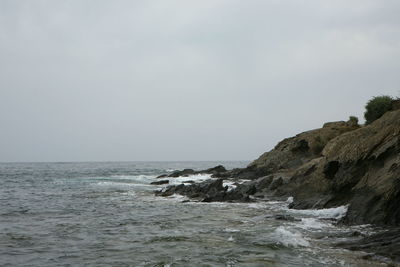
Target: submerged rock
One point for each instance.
(338, 164)
(285, 217)
(160, 182)
(385, 244)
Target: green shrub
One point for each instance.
(376, 107)
(353, 120)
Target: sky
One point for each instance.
(185, 80)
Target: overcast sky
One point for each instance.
(186, 80)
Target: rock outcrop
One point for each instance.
(385, 243)
(216, 171)
(340, 164)
(207, 191)
(360, 168)
(295, 151)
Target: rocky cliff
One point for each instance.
(341, 163)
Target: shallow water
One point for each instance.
(105, 214)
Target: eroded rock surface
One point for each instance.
(339, 164)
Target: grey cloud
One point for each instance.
(185, 80)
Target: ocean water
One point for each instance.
(106, 214)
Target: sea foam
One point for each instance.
(332, 213)
(289, 238)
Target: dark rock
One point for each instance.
(285, 217)
(215, 170)
(207, 191)
(331, 168)
(189, 182)
(160, 182)
(338, 164)
(248, 173)
(263, 182)
(210, 187)
(385, 244)
(185, 172)
(276, 183)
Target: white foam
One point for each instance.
(197, 178)
(119, 184)
(312, 223)
(230, 230)
(231, 185)
(257, 205)
(333, 213)
(231, 239)
(289, 238)
(289, 200)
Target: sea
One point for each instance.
(106, 214)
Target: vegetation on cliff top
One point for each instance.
(376, 107)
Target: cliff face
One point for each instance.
(295, 151)
(339, 164)
(361, 168)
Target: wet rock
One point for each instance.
(183, 173)
(285, 217)
(338, 164)
(248, 173)
(216, 172)
(385, 244)
(208, 191)
(160, 182)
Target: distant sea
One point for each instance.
(106, 214)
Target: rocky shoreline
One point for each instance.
(342, 163)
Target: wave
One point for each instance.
(332, 213)
(289, 238)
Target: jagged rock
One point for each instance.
(207, 191)
(160, 182)
(295, 151)
(216, 171)
(248, 173)
(356, 168)
(386, 244)
(276, 183)
(339, 164)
